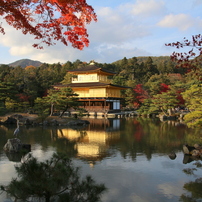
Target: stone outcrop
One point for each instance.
(78, 123)
(33, 120)
(8, 120)
(195, 150)
(16, 146)
(172, 155)
(166, 118)
(53, 122)
(13, 120)
(26, 158)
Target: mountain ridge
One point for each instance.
(28, 62)
(25, 62)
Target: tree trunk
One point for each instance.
(52, 109)
(62, 113)
(166, 114)
(66, 108)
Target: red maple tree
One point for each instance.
(49, 20)
(141, 94)
(185, 59)
(164, 87)
(22, 97)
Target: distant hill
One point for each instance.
(155, 59)
(25, 62)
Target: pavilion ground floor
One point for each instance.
(100, 104)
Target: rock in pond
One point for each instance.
(15, 146)
(195, 150)
(172, 155)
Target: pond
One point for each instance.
(129, 155)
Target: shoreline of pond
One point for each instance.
(34, 119)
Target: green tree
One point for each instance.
(153, 84)
(4, 71)
(68, 66)
(42, 108)
(52, 99)
(164, 101)
(61, 99)
(77, 64)
(193, 101)
(166, 66)
(16, 76)
(124, 63)
(145, 107)
(140, 73)
(150, 68)
(7, 90)
(119, 80)
(193, 187)
(55, 179)
(30, 87)
(48, 75)
(67, 99)
(67, 78)
(130, 97)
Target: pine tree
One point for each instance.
(55, 178)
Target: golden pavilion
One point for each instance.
(95, 91)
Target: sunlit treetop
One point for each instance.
(49, 20)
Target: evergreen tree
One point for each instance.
(150, 69)
(67, 99)
(53, 180)
(130, 98)
(164, 102)
(7, 90)
(52, 99)
(67, 79)
(4, 72)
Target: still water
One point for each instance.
(130, 156)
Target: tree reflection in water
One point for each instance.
(55, 179)
(193, 187)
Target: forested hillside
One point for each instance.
(156, 84)
(24, 63)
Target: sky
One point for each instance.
(125, 28)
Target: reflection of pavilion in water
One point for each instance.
(93, 143)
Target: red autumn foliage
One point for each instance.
(180, 98)
(23, 98)
(49, 20)
(141, 94)
(164, 87)
(185, 59)
(139, 132)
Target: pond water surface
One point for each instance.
(130, 156)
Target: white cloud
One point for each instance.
(180, 21)
(148, 8)
(22, 50)
(110, 40)
(125, 29)
(169, 190)
(115, 27)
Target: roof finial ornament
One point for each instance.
(92, 62)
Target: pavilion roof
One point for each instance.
(91, 84)
(91, 68)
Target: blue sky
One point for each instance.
(125, 28)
